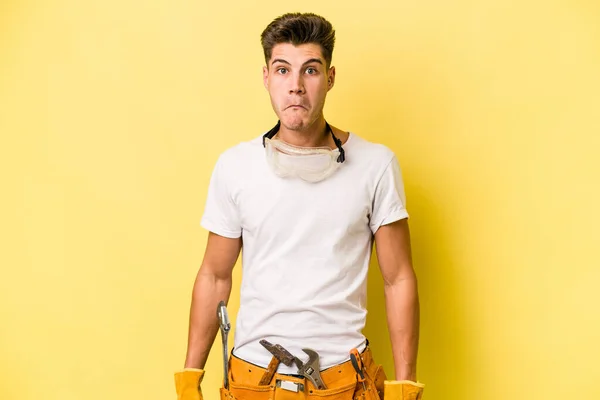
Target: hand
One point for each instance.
(187, 384)
(403, 390)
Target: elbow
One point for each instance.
(402, 278)
(212, 279)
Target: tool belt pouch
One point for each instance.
(374, 382)
(287, 389)
(244, 378)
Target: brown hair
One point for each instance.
(299, 28)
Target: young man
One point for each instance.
(306, 200)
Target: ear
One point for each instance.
(330, 78)
(266, 77)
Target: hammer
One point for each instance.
(280, 355)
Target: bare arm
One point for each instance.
(213, 284)
(401, 296)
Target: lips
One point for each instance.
(296, 106)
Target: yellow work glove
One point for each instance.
(403, 390)
(187, 384)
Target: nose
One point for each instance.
(297, 84)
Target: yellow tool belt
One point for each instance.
(341, 382)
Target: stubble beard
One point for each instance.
(296, 124)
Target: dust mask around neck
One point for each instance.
(311, 164)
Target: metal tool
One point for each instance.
(310, 369)
(280, 355)
(358, 366)
(279, 352)
(225, 326)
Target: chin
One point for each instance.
(294, 125)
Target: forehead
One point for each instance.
(302, 52)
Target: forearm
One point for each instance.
(402, 308)
(208, 291)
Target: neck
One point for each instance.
(315, 135)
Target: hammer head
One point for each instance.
(279, 352)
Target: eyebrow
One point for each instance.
(312, 60)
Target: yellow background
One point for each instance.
(112, 114)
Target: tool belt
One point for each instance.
(247, 382)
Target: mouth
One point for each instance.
(296, 107)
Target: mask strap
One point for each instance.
(341, 158)
(271, 133)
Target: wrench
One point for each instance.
(225, 326)
(311, 369)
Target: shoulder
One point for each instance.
(368, 152)
(239, 154)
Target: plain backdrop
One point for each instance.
(113, 113)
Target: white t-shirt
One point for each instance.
(306, 247)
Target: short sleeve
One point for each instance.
(220, 213)
(389, 202)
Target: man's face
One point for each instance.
(298, 80)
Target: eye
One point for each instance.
(311, 71)
(281, 70)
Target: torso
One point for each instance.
(306, 253)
